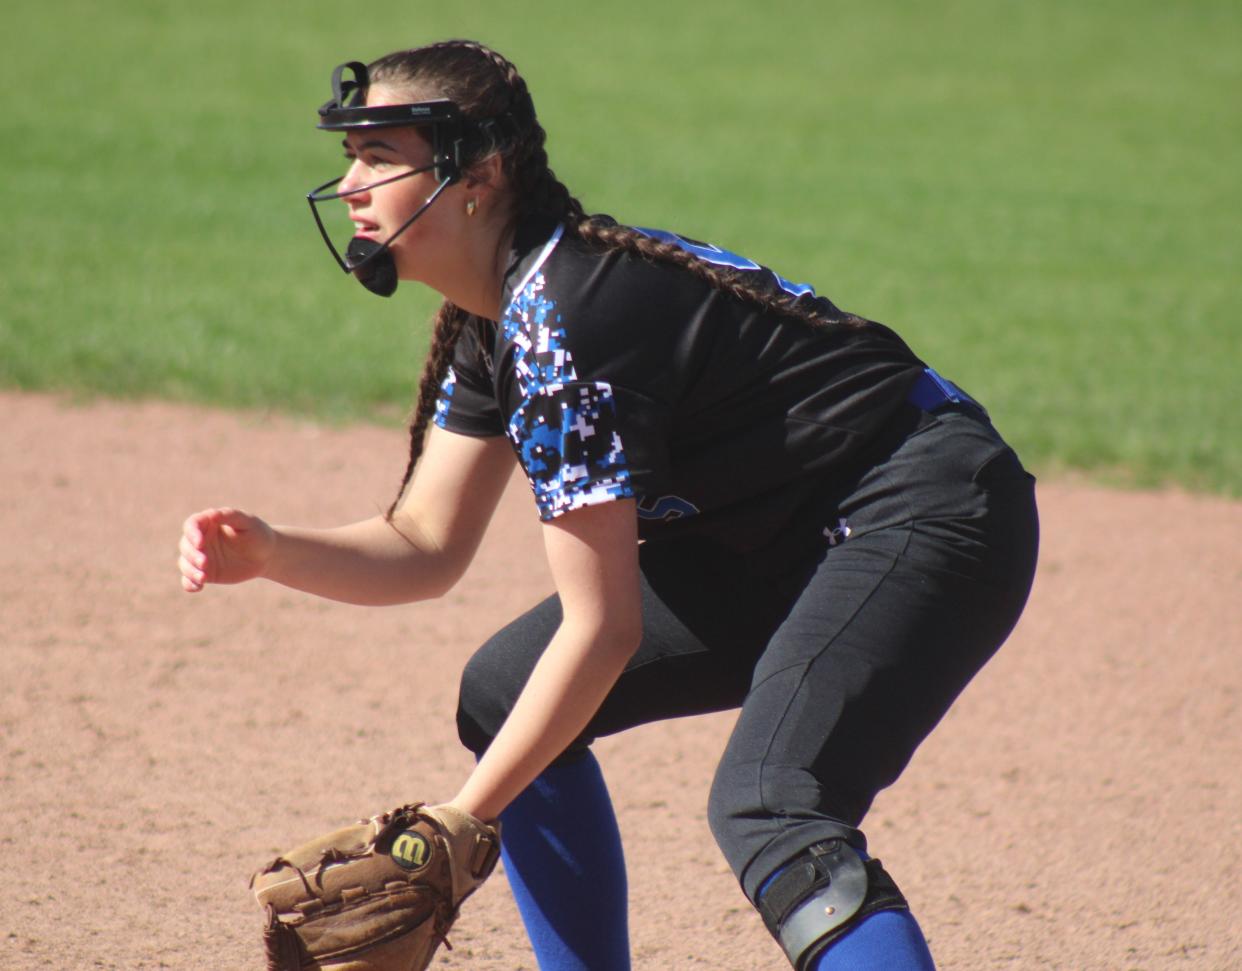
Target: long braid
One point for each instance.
(449, 322)
(613, 236)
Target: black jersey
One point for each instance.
(618, 377)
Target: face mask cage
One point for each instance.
(371, 262)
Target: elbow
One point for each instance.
(625, 622)
(435, 563)
(442, 577)
(629, 638)
(617, 637)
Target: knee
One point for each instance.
(762, 819)
(752, 803)
(741, 820)
(494, 677)
(726, 807)
(483, 702)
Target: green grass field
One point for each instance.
(1042, 197)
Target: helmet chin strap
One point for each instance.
(373, 265)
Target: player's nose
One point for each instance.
(352, 182)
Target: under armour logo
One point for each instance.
(839, 533)
(665, 508)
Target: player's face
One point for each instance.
(379, 212)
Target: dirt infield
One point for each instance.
(1078, 808)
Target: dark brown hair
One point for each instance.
(485, 85)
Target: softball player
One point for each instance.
(751, 499)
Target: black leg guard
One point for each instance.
(822, 894)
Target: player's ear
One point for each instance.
(487, 173)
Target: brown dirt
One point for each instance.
(1076, 809)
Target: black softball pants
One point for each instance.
(842, 651)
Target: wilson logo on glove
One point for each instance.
(410, 850)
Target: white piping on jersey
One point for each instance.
(548, 247)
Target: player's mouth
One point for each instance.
(365, 228)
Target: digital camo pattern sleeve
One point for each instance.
(565, 430)
(467, 401)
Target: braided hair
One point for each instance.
(485, 85)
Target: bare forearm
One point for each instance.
(562, 695)
(372, 563)
(593, 555)
(419, 555)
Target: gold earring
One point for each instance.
(471, 206)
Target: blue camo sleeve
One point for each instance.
(567, 439)
(580, 442)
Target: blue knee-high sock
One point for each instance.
(890, 940)
(562, 854)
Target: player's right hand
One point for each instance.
(223, 546)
